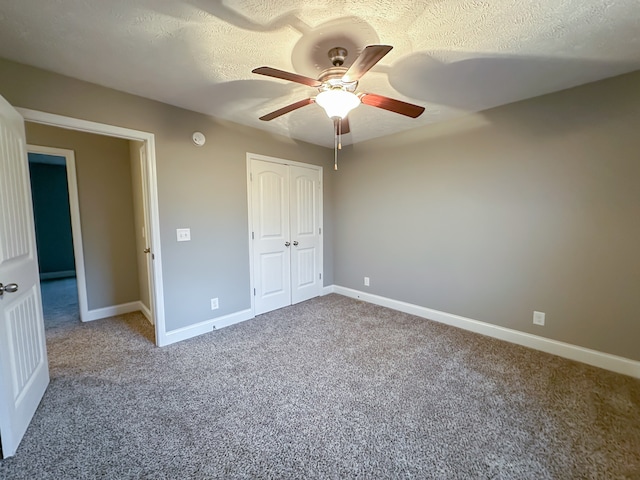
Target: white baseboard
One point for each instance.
(607, 361)
(111, 311)
(232, 319)
(327, 290)
(146, 312)
(185, 333)
(54, 275)
(206, 326)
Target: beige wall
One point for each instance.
(203, 188)
(138, 221)
(106, 211)
(531, 206)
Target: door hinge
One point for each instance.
(252, 236)
(251, 177)
(254, 292)
(320, 231)
(320, 276)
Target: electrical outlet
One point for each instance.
(538, 318)
(366, 281)
(214, 304)
(183, 234)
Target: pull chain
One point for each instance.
(336, 123)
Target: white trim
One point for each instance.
(328, 289)
(76, 226)
(146, 312)
(250, 231)
(281, 161)
(112, 311)
(232, 319)
(152, 188)
(256, 156)
(189, 331)
(59, 274)
(207, 326)
(607, 361)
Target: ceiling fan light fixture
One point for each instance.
(337, 103)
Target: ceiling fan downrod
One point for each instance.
(337, 56)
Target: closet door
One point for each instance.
(305, 233)
(271, 235)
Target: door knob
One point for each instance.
(146, 250)
(295, 243)
(9, 288)
(286, 244)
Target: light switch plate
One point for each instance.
(183, 234)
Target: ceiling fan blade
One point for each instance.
(292, 77)
(344, 128)
(287, 109)
(367, 59)
(397, 106)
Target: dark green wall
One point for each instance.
(52, 217)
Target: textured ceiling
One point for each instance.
(451, 56)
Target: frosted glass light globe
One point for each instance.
(337, 103)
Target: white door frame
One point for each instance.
(265, 158)
(152, 193)
(74, 210)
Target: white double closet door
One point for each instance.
(286, 226)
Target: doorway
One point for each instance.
(285, 224)
(150, 183)
(54, 191)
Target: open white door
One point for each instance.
(24, 371)
(147, 230)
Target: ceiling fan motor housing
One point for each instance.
(331, 79)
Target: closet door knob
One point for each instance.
(295, 243)
(286, 244)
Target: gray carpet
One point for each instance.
(330, 388)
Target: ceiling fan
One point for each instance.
(337, 86)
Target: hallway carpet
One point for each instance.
(60, 302)
(330, 388)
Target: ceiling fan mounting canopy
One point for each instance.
(337, 56)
